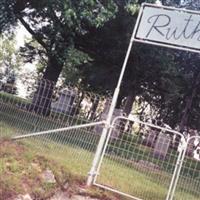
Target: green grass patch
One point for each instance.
(22, 166)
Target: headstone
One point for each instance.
(150, 138)
(192, 143)
(116, 131)
(65, 102)
(107, 106)
(190, 148)
(161, 146)
(197, 153)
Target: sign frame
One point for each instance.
(159, 43)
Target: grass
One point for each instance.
(75, 151)
(21, 170)
(5, 97)
(26, 121)
(149, 186)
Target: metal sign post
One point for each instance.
(99, 150)
(161, 26)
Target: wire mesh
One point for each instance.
(188, 186)
(74, 148)
(50, 108)
(139, 159)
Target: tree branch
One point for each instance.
(35, 35)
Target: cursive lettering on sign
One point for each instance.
(168, 27)
(163, 25)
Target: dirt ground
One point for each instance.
(27, 175)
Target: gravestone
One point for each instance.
(192, 143)
(64, 104)
(116, 131)
(190, 148)
(150, 138)
(161, 146)
(106, 107)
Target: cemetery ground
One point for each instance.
(26, 173)
(24, 160)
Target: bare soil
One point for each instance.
(21, 177)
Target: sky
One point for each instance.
(21, 35)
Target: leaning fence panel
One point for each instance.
(49, 108)
(139, 159)
(47, 111)
(73, 147)
(188, 186)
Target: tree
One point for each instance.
(9, 63)
(181, 105)
(54, 24)
(189, 4)
(107, 47)
(98, 33)
(184, 104)
(158, 76)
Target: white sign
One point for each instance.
(170, 27)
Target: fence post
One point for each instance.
(100, 146)
(177, 170)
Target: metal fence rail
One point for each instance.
(140, 159)
(50, 108)
(68, 107)
(188, 183)
(73, 146)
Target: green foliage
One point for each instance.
(74, 62)
(189, 4)
(183, 96)
(8, 54)
(7, 16)
(159, 76)
(54, 25)
(10, 62)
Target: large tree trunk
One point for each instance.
(53, 69)
(129, 102)
(127, 110)
(95, 103)
(43, 96)
(189, 101)
(186, 112)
